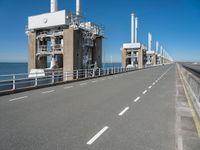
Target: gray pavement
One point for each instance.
(118, 112)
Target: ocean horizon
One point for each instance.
(7, 68)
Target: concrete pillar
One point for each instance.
(123, 58)
(140, 58)
(69, 46)
(31, 51)
(154, 59)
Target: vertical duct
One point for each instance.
(78, 7)
(161, 50)
(149, 41)
(136, 29)
(157, 46)
(54, 7)
(132, 28)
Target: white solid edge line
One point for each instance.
(68, 87)
(123, 111)
(136, 99)
(94, 81)
(144, 92)
(92, 140)
(47, 92)
(19, 98)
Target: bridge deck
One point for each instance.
(134, 110)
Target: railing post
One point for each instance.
(14, 87)
(77, 74)
(99, 71)
(85, 73)
(52, 77)
(66, 76)
(93, 73)
(36, 80)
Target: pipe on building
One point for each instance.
(149, 41)
(78, 7)
(132, 28)
(157, 46)
(161, 51)
(54, 6)
(136, 29)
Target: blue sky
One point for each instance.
(175, 23)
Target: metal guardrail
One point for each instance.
(192, 82)
(13, 82)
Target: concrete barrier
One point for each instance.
(192, 87)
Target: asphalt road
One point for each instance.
(133, 110)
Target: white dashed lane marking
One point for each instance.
(123, 111)
(144, 92)
(19, 98)
(137, 99)
(92, 140)
(84, 83)
(68, 87)
(47, 92)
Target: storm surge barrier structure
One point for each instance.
(191, 79)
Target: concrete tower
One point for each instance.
(134, 53)
(60, 41)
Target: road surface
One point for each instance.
(128, 111)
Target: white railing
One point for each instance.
(15, 82)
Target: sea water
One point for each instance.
(18, 68)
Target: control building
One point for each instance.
(151, 55)
(134, 53)
(60, 40)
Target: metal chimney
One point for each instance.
(157, 46)
(136, 29)
(149, 41)
(132, 28)
(161, 50)
(78, 7)
(54, 7)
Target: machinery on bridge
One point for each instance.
(61, 40)
(134, 53)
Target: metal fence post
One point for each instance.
(66, 76)
(53, 78)
(85, 73)
(36, 80)
(93, 73)
(14, 87)
(99, 72)
(76, 74)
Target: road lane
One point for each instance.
(67, 118)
